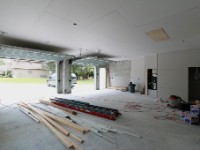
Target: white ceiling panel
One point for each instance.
(184, 25)
(83, 12)
(178, 26)
(141, 12)
(19, 16)
(114, 27)
(51, 26)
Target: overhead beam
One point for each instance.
(12, 52)
(91, 61)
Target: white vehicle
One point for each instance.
(74, 78)
(51, 82)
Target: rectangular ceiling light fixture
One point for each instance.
(158, 35)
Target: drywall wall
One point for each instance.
(137, 73)
(120, 73)
(151, 62)
(173, 72)
(139, 68)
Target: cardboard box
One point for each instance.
(195, 109)
(191, 119)
(183, 114)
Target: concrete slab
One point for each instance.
(160, 127)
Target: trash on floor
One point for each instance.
(118, 88)
(45, 112)
(174, 101)
(177, 102)
(133, 106)
(192, 116)
(195, 109)
(191, 119)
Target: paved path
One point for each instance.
(12, 93)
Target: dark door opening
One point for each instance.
(194, 84)
(152, 79)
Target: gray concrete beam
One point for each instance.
(97, 77)
(63, 69)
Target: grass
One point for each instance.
(38, 80)
(24, 80)
(89, 81)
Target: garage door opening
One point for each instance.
(22, 80)
(85, 78)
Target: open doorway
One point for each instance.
(152, 82)
(194, 83)
(85, 78)
(102, 78)
(22, 80)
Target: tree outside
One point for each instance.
(85, 72)
(82, 72)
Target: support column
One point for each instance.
(96, 77)
(63, 69)
(67, 76)
(58, 72)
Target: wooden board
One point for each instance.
(57, 106)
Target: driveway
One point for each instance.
(12, 93)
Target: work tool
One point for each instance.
(85, 107)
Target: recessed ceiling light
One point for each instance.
(158, 35)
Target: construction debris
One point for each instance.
(53, 121)
(29, 113)
(100, 131)
(119, 88)
(50, 121)
(192, 116)
(120, 132)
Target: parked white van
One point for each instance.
(51, 81)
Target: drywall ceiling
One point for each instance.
(116, 28)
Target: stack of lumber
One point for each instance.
(52, 122)
(39, 113)
(100, 130)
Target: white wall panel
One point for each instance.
(173, 72)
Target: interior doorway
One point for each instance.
(102, 78)
(152, 82)
(194, 83)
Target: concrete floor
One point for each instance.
(160, 127)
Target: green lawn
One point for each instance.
(38, 80)
(90, 81)
(24, 80)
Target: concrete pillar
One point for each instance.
(67, 77)
(108, 84)
(58, 82)
(63, 69)
(96, 77)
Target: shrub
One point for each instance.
(7, 74)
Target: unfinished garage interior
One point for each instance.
(146, 53)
